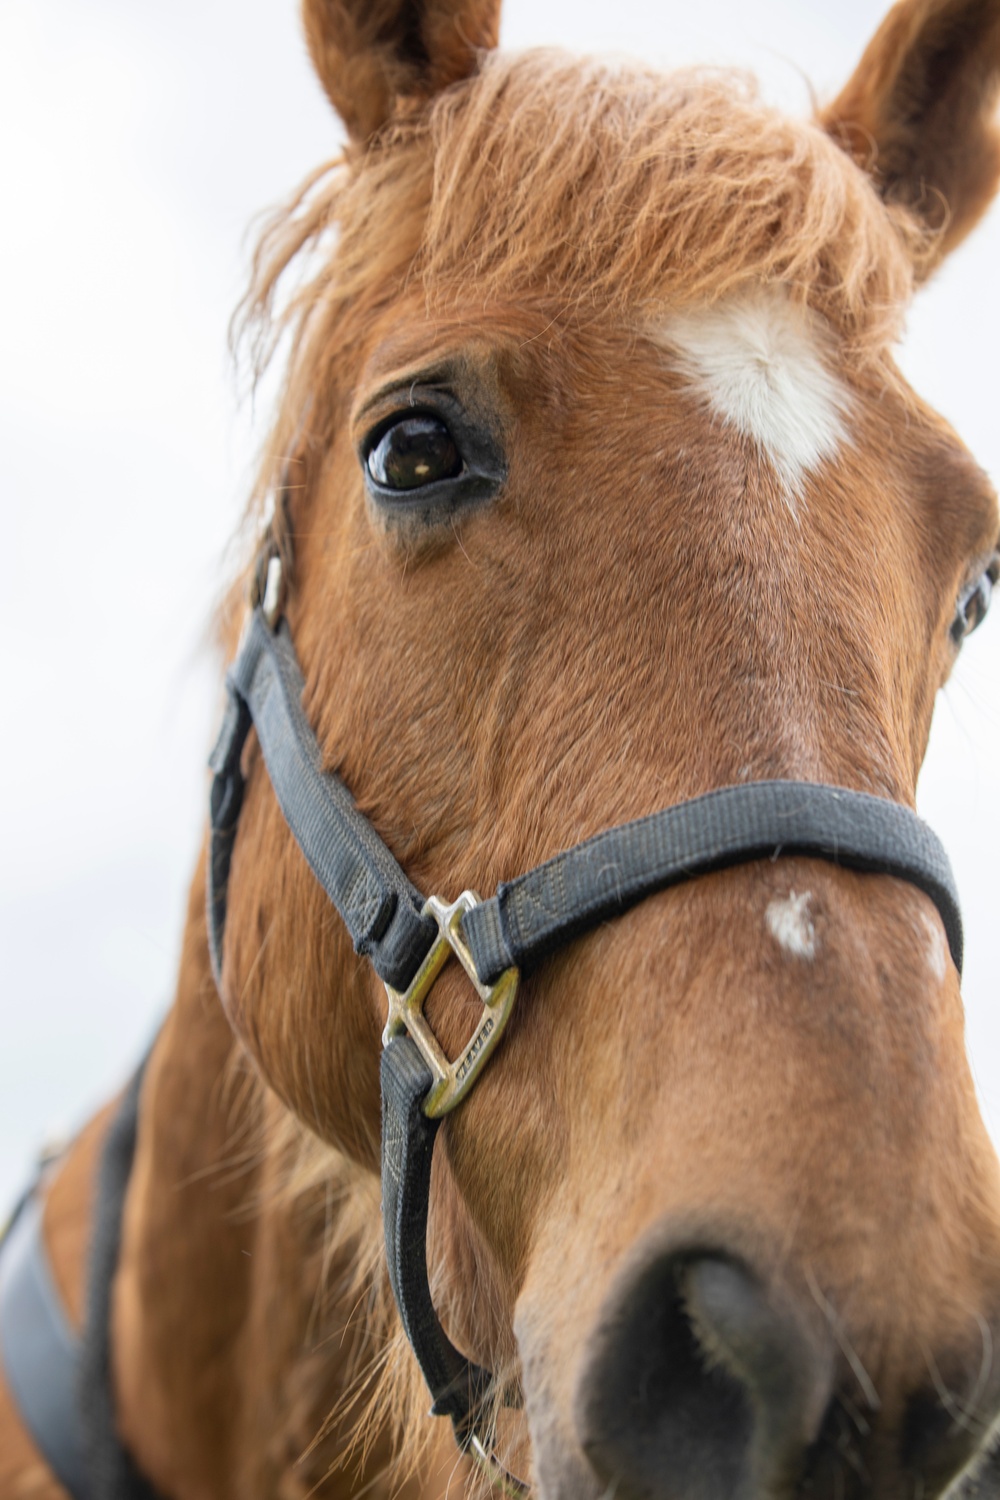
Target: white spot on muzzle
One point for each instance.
(759, 361)
(791, 926)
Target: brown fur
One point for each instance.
(637, 619)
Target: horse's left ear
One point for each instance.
(375, 57)
(920, 112)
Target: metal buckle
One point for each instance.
(452, 1080)
(499, 1477)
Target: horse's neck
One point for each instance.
(225, 1366)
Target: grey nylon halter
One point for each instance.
(408, 941)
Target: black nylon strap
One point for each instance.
(603, 877)
(460, 1389)
(379, 906)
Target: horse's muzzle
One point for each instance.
(703, 1384)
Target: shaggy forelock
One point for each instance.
(579, 186)
(627, 187)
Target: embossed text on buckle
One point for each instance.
(452, 1080)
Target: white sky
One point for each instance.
(138, 143)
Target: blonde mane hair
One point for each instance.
(576, 186)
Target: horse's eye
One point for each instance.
(973, 602)
(414, 451)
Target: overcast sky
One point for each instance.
(139, 141)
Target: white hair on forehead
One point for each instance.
(759, 361)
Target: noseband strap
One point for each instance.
(603, 877)
(527, 918)
(578, 889)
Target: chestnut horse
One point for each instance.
(597, 489)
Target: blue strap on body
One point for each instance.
(41, 1352)
(60, 1379)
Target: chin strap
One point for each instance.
(409, 941)
(459, 1388)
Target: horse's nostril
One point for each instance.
(942, 1431)
(700, 1386)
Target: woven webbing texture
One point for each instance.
(459, 1388)
(378, 905)
(603, 877)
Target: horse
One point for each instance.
(594, 499)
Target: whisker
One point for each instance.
(846, 1348)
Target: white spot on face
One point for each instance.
(759, 361)
(791, 926)
(937, 947)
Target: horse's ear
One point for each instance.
(374, 57)
(920, 112)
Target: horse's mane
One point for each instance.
(583, 186)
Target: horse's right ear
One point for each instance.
(920, 112)
(374, 57)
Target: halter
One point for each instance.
(409, 940)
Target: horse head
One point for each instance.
(597, 488)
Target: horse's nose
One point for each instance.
(702, 1384)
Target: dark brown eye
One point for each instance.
(414, 451)
(973, 604)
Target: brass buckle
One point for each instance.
(452, 1080)
(499, 1477)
